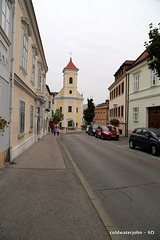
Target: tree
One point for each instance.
(114, 122)
(153, 49)
(57, 116)
(89, 112)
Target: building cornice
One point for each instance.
(24, 86)
(32, 18)
(122, 77)
(68, 98)
(144, 97)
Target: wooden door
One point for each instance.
(154, 117)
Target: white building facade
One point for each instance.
(143, 95)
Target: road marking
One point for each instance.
(134, 152)
(103, 216)
(142, 155)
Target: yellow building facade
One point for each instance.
(28, 81)
(68, 100)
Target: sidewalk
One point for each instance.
(42, 198)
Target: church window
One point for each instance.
(70, 92)
(70, 80)
(69, 108)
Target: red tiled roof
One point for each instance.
(71, 66)
(142, 57)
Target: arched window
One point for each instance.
(70, 92)
(70, 80)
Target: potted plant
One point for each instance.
(3, 124)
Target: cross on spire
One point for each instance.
(70, 56)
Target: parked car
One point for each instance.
(87, 128)
(92, 129)
(108, 132)
(146, 138)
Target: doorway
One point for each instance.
(154, 117)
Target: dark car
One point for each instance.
(92, 129)
(108, 132)
(146, 138)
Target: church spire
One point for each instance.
(71, 66)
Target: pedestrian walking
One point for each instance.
(58, 130)
(54, 131)
(52, 127)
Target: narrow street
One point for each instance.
(126, 182)
(42, 198)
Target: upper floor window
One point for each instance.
(70, 80)
(49, 105)
(119, 89)
(122, 109)
(153, 79)
(136, 83)
(122, 87)
(5, 16)
(33, 67)
(39, 77)
(69, 108)
(24, 51)
(60, 109)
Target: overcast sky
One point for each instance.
(101, 34)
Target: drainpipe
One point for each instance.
(12, 78)
(127, 105)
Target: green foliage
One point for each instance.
(57, 116)
(83, 127)
(114, 122)
(153, 49)
(89, 112)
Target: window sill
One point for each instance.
(33, 83)
(21, 135)
(23, 71)
(152, 86)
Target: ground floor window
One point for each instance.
(21, 117)
(135, 114)
(31, 117)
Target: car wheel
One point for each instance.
(102, 137)
(154, 149)
(131, 144)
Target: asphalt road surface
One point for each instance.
(126, 182)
